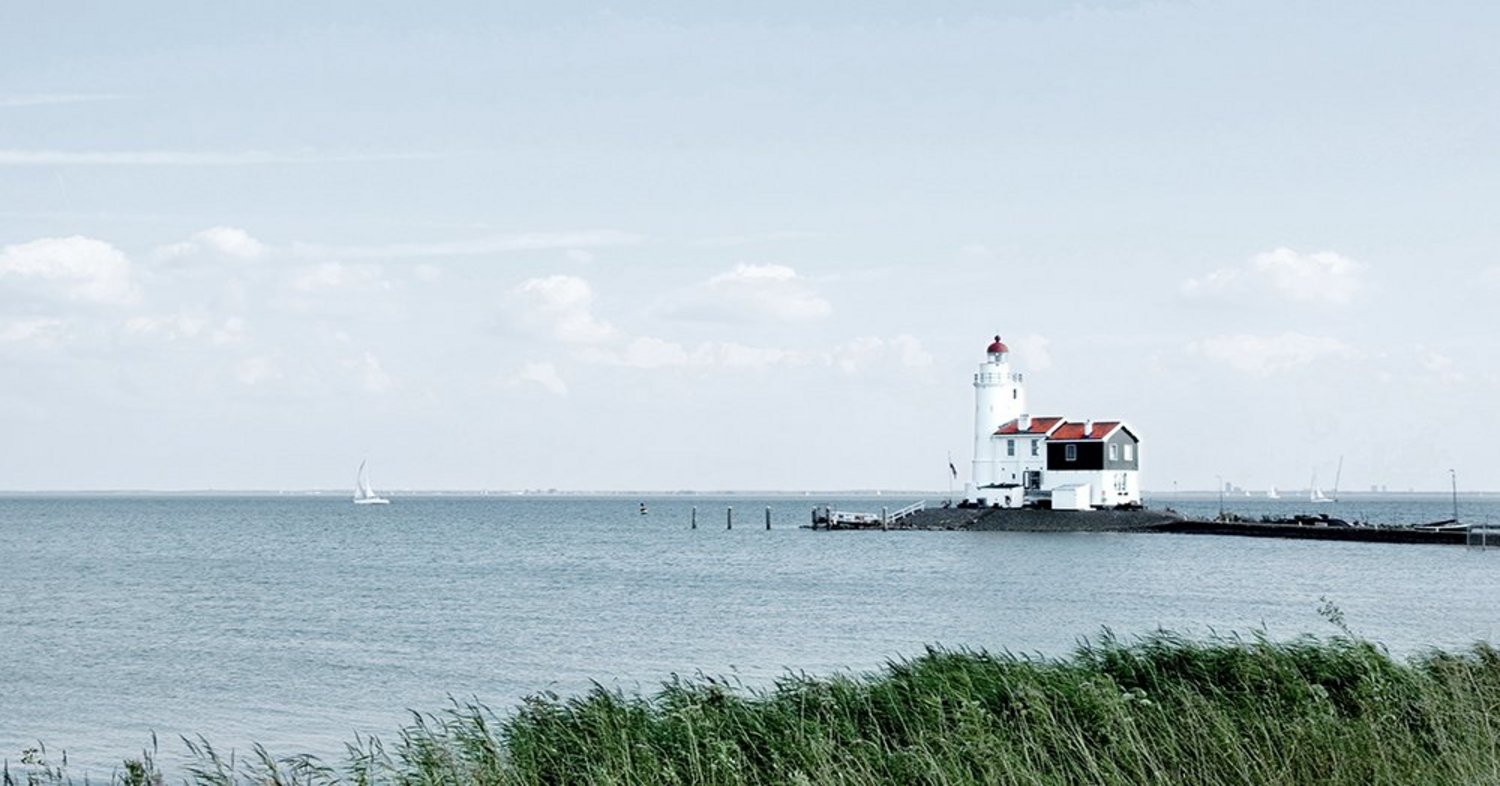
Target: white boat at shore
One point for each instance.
(363, 493)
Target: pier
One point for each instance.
(825, 517)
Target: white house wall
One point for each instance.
(1101, 485)
(1012, 469)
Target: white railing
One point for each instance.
(907, 511)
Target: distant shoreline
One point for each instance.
(932, 496)
(558, 494)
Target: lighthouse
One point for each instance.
(999, 397)
(1021, 460)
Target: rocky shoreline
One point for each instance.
(1034, 520)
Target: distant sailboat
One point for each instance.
(1316, 495)
(363, 494)
(1272, 494)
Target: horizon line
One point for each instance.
(1289, 496)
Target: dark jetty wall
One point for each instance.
(1168, 521)
(1306, 532)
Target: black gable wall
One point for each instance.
(1095, 455)
(1090, 456)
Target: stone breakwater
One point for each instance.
(1032, 520)
(1164, 521)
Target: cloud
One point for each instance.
(187, 325)
(559, 307)
(44, 331)
(977, 253)
(1440, 366)
(750, 293)
(336, 275)
(169, 327)
(1320, 277)
(372, 377)
(86, 269)
(866, 352)
(232, 331)
(226, 241)
(256, 370)
(543, 374)
(728, 354)
(649, 352)
(1263, 356)
(1033, 352)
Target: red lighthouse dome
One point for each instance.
(998, 348)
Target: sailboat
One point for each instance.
(1272, 494)
(1317, 493)
(363, 494)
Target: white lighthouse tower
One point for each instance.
(999, 397)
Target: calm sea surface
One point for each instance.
(299, 621)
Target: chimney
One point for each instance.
(1088, 428)
(1024, 423)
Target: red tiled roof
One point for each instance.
(1038, 426)
(1074, 431)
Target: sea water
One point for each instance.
(299, 621)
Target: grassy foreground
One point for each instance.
(1161, 710)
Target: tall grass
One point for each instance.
(1161, 710)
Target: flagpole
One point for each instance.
(951, 473)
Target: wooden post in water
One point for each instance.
(695, 517)
(768, 517)
(729, 517)
(885, 521)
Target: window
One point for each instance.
(1129, 452)
(1010, 447)
(1070, 453)
(1122, 485)
(1036, 446)
(1014, 393)
(1114, 452)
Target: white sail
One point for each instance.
(1316, 495)
(364, 494)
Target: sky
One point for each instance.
(713, 246)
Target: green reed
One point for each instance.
(1160, 710)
